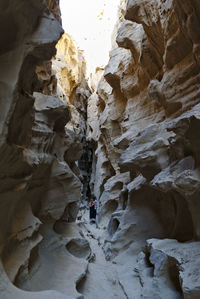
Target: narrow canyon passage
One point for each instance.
(62, 262)
(101, 280)
(122, 127)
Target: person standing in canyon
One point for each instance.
(93, 209)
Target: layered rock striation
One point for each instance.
(146, 149)
(39, 182)
(140, 127)
(69, 67)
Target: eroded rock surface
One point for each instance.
(147, 149)
(133, 142)
(40, 183)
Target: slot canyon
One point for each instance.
(128, 135)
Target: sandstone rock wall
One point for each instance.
(39, 182)
(142, 134)
(70, 68)
(145, 116)
(120, 19)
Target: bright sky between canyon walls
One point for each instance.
(91, 23)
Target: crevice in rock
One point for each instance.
(133, 143)
(113, 226)
(148, 261)
(85, 166)
(80, 284)
(123, 289)
(174, 275)
(124, 198)
(69, 216)
(33, 261)
(109, 207)
(183, 229)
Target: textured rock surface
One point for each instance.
(70, 69)
(142, 135)
(146, 118)
(39, 181)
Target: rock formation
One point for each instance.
(39, 182)
(70, 70)
(146, 172)
(133, 142)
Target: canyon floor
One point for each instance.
(72, 262)
(101, 280)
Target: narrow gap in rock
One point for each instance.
(99, 149)
(174, 274)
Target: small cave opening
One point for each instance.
(109, 207)
(124, 199)
(60, 124)
(117, 186)
(183, 228)
(113, 226)
(72, 211)
(68, 216)
(101, 105)
(80, 248)
(116, 128)
(80, 286)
